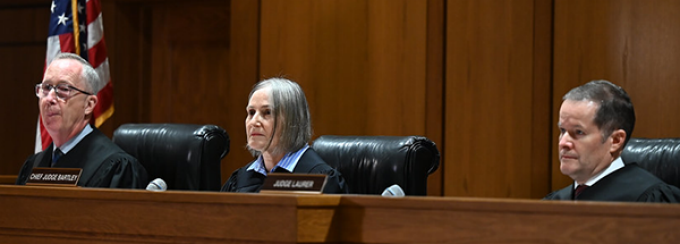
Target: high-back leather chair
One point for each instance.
(185, 156)
(660, 156)
(370, 164)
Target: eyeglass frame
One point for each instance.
(39, 88)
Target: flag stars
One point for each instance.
(80, 8)
(81, 27)
(62, 19)
(53, 7)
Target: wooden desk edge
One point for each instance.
(8, 179)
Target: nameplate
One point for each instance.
(294, 183)
(54, 177)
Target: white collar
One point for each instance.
(617, 164)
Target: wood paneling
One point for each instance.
(83, 215)
(244, 27)
(7, 179)
(363, 64)
(190, 62)
(495, 85)
(634, 44)
(434, 113)
(37, 215)
(482, 220)
(22, 59)
(191, 71)
(185, 62)
(541, 122)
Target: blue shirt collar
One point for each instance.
(288, 162)
(70, 144)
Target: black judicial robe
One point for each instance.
(104, 164)
(243, 180)
(628, 184)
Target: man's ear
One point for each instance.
(90, 103)
(618, 138)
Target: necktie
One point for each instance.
(579, 189)
(57, 154)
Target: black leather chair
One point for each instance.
(370, 164)
(185, 156)
(660, 156)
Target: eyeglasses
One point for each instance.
(64, 91)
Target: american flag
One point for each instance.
(82, 34)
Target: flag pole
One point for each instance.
(76, 28)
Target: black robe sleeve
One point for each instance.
(244, 181)
(36, 160)
(119, 170)
(562, 194)
(230, 185)
(661, 193)
(335, 183)
(628, 184)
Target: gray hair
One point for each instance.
(616, 110)
(291, 114)
(89, 75)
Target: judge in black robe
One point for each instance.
(67, 100)
(628, 184)
(243, 180)
(596, 120)
(104, 164)
(278, 130)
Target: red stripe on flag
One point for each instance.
(105, 97)
(44, 136)
(97, 54)
(94, 8)
(66, 43)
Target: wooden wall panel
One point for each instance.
(244, 27)
(632, 43)
(495, 126)
(363, 64)
(172, 65)
(197, 75)
(190, 67)
(541, 122)
(434, 113)
(22, 59)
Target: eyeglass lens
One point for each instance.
(62, 90)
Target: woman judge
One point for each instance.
(278, 129)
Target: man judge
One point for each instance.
(67, 97)
(596, 121)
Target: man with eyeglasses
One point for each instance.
(66, 100)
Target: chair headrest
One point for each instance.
(370, 164)
(660, 156)
(186, 156)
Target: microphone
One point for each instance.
(393, 191)
(157, 185)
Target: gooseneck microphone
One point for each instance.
(157, 185)
(393, 191)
